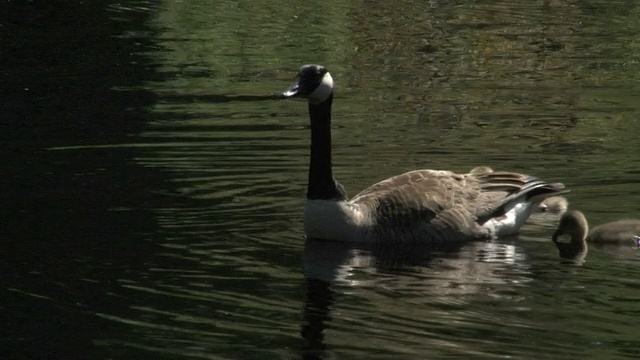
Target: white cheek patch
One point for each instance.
(564, 238)
(323, 91)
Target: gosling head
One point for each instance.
(574, 224)
(554, 204)
(313, 82)
(481, 170)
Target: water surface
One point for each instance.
(154, 193)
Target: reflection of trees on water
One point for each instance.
(493, 69)
(503, 63)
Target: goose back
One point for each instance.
(440, 203)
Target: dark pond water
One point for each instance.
(152, 205)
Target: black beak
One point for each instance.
(293, 91)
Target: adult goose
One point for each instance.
(420, 205)
(574, 223)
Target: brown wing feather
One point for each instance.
(441, 200)
(501, 190)
(494, 188)
(435, 199)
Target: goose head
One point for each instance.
(574, 224)
(313, 82)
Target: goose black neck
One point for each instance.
(322, 185)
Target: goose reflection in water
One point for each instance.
(426, 279)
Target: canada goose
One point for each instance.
(573, 223)
(423, 205)
(554, 204)
(481, 170)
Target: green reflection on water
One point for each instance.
(546, 87)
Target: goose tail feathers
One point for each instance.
(516, 208)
